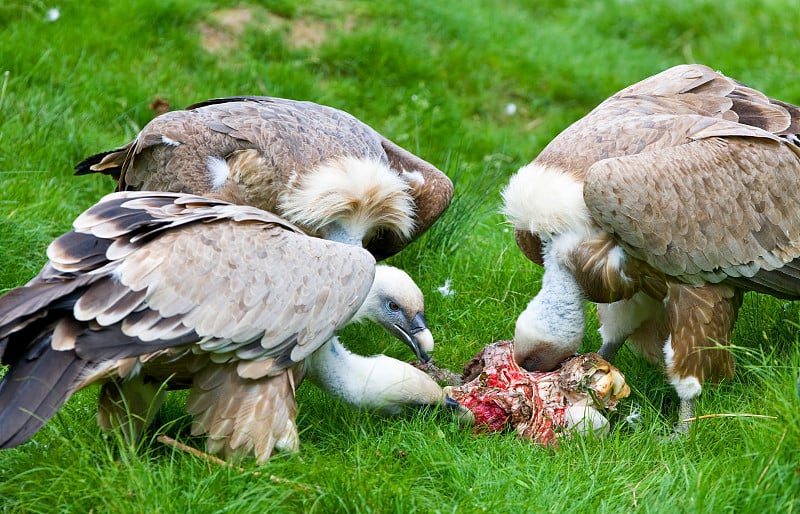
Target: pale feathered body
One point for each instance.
(227, 300)
(316, 166)
(663, 205)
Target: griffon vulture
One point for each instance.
(227, 300)
(664, 205)
(318, 167)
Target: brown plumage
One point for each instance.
(663, 205)
(316, 166)
(227, 300)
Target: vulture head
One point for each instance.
(120, 303)
(318, 167)
(663, 205)
(396, 303)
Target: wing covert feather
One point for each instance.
(263, 282)
(668, 109)
(244, 283)
(704, 210)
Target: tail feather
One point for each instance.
(108, 163)
(34, 388)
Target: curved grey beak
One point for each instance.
(418, 337)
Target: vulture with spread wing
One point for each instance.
(664, 205)
(230, 301)
(318, 167)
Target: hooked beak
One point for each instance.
(418, 337)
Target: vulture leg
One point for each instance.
(129, 405)
(701, 320)
(242, 416)
(636, 318)
(686, 413)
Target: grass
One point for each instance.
(436, 77)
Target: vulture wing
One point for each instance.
(238, 284)
(174, 149)
(707, 210)
(666, 110)
(697, 178)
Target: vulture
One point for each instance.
(318, 167)
(663, 205)
(232, 302)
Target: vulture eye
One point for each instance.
(393, 306)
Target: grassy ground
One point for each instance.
(436, 77)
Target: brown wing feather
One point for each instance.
(251, 285)
(681, 103)
(640, 118)
(25, 403)
(171, 154)
(179, 280)
(291, 136)
(783, 282)
(704, 210)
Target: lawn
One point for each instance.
(475, 87)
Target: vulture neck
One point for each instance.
(335, 231)
(550, 329)
(378, 383)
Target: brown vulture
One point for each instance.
(316, 166)
(663, 205)
(230, 301)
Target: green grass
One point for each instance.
(436, 78)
